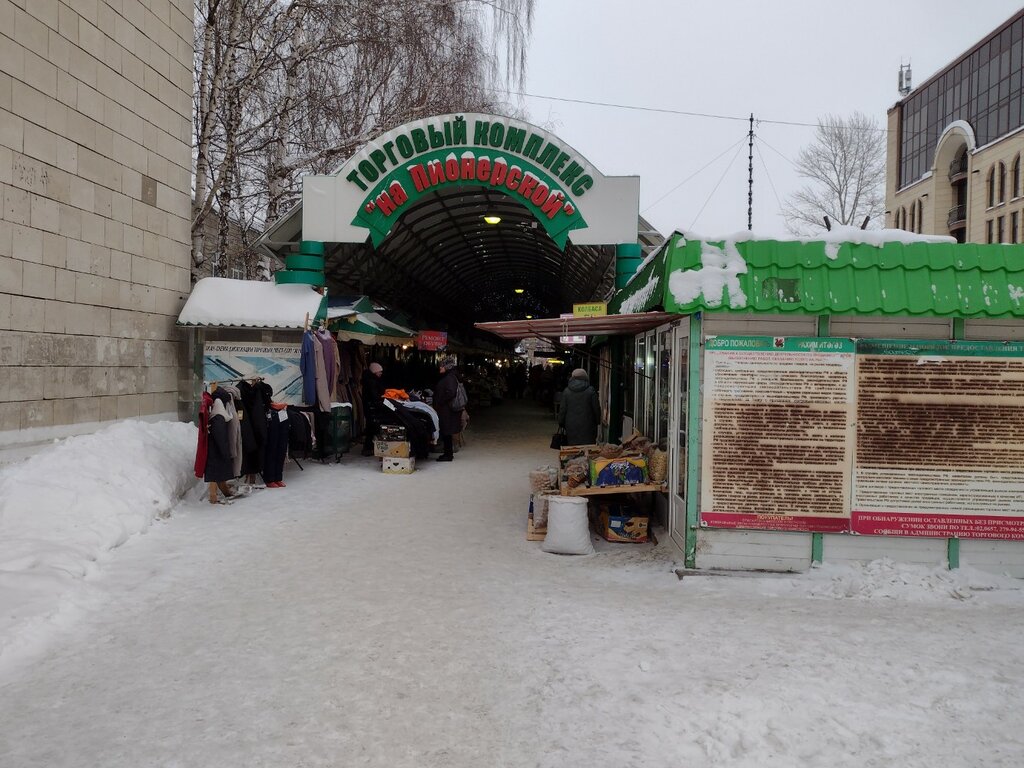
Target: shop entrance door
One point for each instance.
(677, 435)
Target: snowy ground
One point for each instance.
(361, 619)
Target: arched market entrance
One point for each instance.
(457, 219)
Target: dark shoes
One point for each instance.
(445, 457)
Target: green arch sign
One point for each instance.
(530, 168)
(386, 177)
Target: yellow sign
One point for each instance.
(596, 309)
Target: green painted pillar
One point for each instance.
(627, 258)
(305, 267)
(693, 443)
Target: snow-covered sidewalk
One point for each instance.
(355, 618)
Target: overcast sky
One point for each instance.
(785, 60)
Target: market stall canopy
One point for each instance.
(371, 328)
(845, 271)
(577, 326)
(225, 302)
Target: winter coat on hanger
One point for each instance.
(219, 463)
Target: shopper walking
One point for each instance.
(579, 412)
(449, 419)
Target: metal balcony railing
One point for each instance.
(957, 216)
(958, 168)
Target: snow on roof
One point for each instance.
(221, 301)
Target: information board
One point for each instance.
(278, 364)
(777, 433)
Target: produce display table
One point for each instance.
(565, 490)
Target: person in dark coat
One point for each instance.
(449, 420)
(580, 412)
(373, 401)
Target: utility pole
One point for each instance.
(750, 176)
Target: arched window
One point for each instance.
(1015, 178)
(1002, 182)
(903, 217)
(920, 217)
(991, 181)
(913, 217)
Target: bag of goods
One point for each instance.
(568, 527)
(576, 473)
(540, 480)
(658, 465)
(610, 451)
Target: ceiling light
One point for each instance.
(518, 290)
(529, 317)
(492, 219)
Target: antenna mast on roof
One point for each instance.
(904, 83)
(750, 177)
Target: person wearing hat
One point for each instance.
(373, 400)
(449, 420)
(580, 412)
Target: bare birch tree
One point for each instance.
(845, 167)
(287, 88)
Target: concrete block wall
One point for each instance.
(95, 113)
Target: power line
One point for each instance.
(724, 173)
(773, 149)
(666, 111)
(692, 175)
(768, 175)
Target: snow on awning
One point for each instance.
(611, 325)
(224, 302)
(371, 328)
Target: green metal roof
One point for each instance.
(776, 276)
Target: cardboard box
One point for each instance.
(392, 432)
(621, 523)
(535, 532)
(393, 465)
(625, 470)
(398, 449)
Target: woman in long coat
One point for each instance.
(580, 412)
(449, 420)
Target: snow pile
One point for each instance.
(719, 269)
(63, 509)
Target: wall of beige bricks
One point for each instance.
(95, 136)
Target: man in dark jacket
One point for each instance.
(449, 420)
(373, 400)
(580, 413)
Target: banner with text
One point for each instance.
(940, 439)
(277, 364)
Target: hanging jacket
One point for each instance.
(307, 366)
(201, 445)
(219, 464)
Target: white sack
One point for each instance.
(568, 526)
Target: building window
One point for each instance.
(1000, 229)
(1015, 178)
(983, 88)
(1015, 227)
(1002, 182)
(991, 184)
(920, 217)
(903, 218)
(988, 231)
(913, 217)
